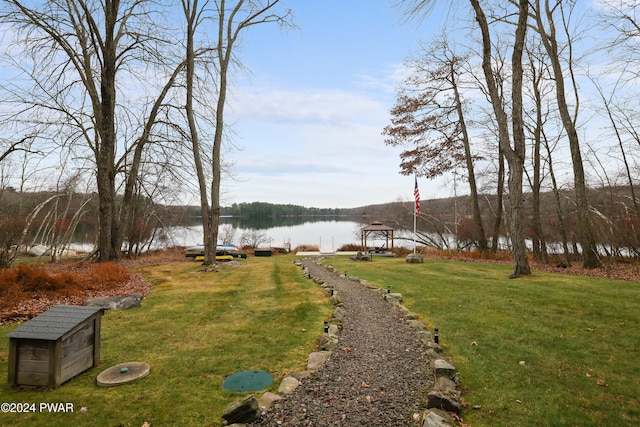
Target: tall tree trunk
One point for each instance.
(477, 216)
(497, 222)
(558, 208)
(521, 262)
(225, 45)
(515, 156)
(230, 23)
(132, 177)
(627, 167)
(539, 241)
(191, 14)
(590, 258)
(108, 237)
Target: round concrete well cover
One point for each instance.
(122, 374)
(247, 381)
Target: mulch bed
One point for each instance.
(81, 283)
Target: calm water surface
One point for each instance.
(329, 235)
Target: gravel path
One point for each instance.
(377, 376)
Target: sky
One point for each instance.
(307, 113)
(308, 116)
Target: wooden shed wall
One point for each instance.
(32, 362)
(78, 351)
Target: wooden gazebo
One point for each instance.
(376, 228)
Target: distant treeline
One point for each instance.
(269, 210)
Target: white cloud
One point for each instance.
(302, 106)
(317, 147)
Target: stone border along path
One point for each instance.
(377, 366)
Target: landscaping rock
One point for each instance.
(414, 259)
(424, 336)
(394, 297)
(301, 375)
(334, 329)
(416, 325)
(437, 418)
(368, 285)
(407, 314)
(433, 346)
(37, 250)
(317, 359)
(242, 411)
(447, 400)
(444, 396)
(120, 302)
(336, 300)
(444, 369)
(288, 385)
(267, 400)
(337, 323)
(339, 313)
(444, 384)
(360, 257)
(328, 342)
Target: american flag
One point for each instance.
(416, 194)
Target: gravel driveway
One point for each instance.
(377, 376)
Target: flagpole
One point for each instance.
(415, 215)
(416, 210)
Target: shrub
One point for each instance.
(350, 247)
(27, 282)
(307, 248)
(11, 227)
(105, 275)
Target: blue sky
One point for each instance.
(307, 117)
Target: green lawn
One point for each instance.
(193, 329)
(578, 338)
(572, 333)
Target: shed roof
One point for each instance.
(54, 323)
(377, 226)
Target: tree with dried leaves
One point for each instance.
(515, 154)
(429, 116)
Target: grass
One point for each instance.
(194, 329)
(578, 338)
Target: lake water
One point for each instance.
(327, 235)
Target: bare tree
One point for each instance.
(253, 238)
(515, 155)
(537, 72)
(545, 18)
(79, 52)
(232, 18)
(429, 115)
(228, 234)
(620, 105)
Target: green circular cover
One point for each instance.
(247, 381)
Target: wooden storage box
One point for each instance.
(55, 346)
